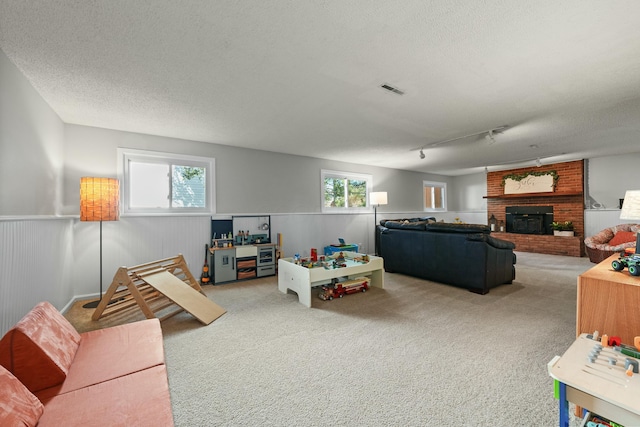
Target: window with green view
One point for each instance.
(164, 183)
(344, 191)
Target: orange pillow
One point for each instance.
(19, 407)
(622, 237)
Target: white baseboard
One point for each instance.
(75, 299)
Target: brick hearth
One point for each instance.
(553, 245)
(567, 201)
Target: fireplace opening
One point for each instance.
(529, 219)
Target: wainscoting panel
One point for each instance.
(35, 265)
(132, 241)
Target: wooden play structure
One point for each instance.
(155, 286)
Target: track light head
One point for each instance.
(421, 154)
(538, 162)
(489, 137)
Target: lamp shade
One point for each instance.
(99, 199)
(378, 198)
(631, 205)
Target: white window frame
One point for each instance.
(324, 173)
(125, 155)
(433, 185)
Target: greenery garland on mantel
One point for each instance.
(521, 176)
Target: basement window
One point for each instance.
(434, 196)
(165, 183)
(345, 191)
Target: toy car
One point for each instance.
(632, 262)
(361, 284)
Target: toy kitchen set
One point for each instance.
(241, 248)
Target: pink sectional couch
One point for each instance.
(52, 376)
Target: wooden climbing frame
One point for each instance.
(155, 286)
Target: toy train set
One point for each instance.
(336, 260)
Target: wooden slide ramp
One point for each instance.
(155, 286)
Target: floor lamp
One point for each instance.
(99, 201)
(376, 199)
(631, 210)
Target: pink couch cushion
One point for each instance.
(18, 407)
(113, 352)
(39, 349)
(140, 399)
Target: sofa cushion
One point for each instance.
(18, 407)
(39, 349)
(406, 224)
(112, 352)
(622, 237)
(449, 227)
(140, 399)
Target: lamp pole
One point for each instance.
(376, 199)
(94, 304)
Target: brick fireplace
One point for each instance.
(566, 203)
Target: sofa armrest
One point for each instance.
(492, 241)
(40, 348)
(18, 406)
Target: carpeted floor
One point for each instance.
(416, 353)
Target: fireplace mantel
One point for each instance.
(532, 195)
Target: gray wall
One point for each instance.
(31, 148)
(607, 179)
(469, 193)
(247, 181)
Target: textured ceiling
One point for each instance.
(303, 77)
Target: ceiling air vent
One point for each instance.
(392, 89)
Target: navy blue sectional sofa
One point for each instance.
(463, 255)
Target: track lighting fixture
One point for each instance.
(489, 134)
(536, 160)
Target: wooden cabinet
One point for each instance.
(608, 302)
